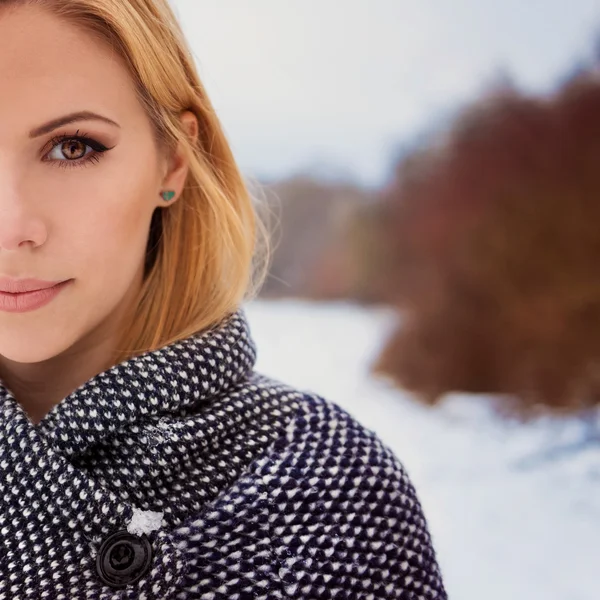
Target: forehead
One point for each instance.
(49, 66)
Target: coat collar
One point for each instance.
(163, 382)
(146, 417)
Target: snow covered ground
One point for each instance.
(502, 531)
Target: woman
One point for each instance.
(141, 456)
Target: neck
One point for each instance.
(40, 386)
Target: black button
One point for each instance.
(123, 558)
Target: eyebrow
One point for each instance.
(84, 115)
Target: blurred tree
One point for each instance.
(492, 241)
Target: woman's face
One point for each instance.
(76, 199)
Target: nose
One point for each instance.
(20, 226)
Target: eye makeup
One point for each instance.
(85, 141)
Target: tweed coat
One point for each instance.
(184, 473)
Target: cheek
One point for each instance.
(112, 236)
(102, 236)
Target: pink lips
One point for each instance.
(22, 295)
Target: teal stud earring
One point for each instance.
(167, 196)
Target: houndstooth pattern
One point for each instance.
(262, 491)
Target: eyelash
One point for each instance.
(98, 148)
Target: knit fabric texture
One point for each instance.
(183, 473)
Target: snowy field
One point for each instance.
(502, 530)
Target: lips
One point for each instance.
(21, 286)
(24, 295)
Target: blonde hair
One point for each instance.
(204, 252)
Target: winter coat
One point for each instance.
(184, 473)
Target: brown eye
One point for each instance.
(73, 149)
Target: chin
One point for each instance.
(30, 349)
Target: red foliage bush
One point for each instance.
(493, 238)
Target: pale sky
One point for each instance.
(337, 84)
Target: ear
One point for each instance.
(177, 164)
